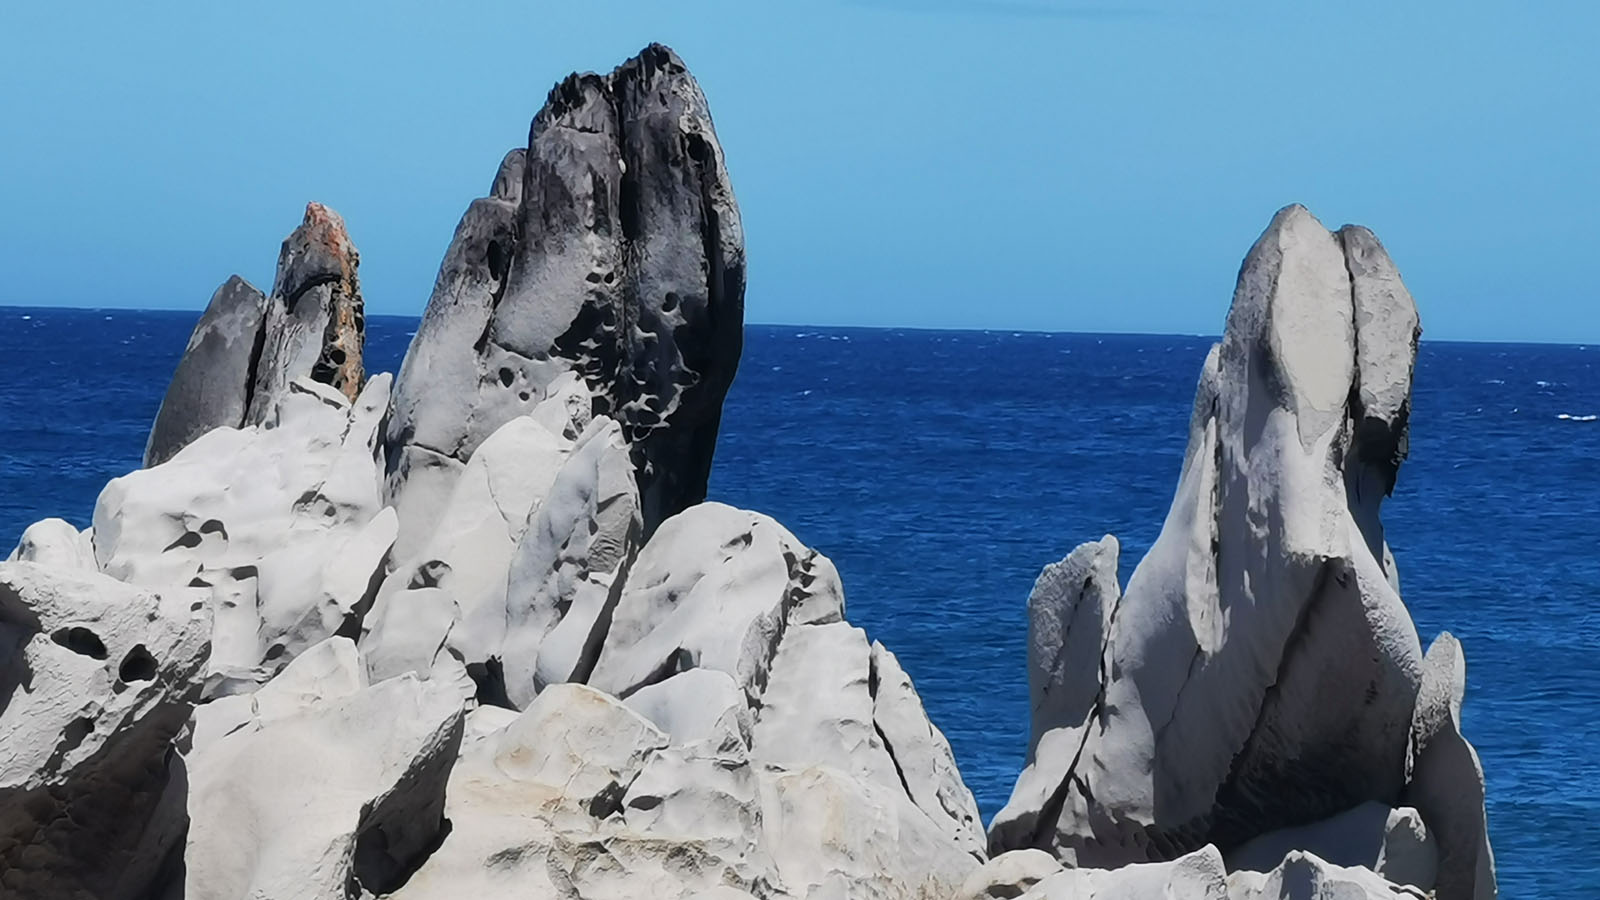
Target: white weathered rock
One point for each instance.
(575, 797)
(567, 573)
(841, 812)
(1200, 875)
(55, 544)
(1445, 782)
(834, 835)
(328, 784)
(1009, 875)
(96, 678)
(817, 709)
(700, 706)
(1260, 669)
(1069, 614)
(474, 536)
(922, 756)
(535, 532)
(1196, 876)
(1302, 876)
(281, 521)
(714, 588)
(1393, 843)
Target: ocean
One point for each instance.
(941, 470)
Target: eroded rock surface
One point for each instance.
(248, 348)
(96, 679)
(216, 375)
(282, 522)
(482, 637)
(322, 785)
(1259, 673)
(1445, 780)
(315, 320)
(611, 247)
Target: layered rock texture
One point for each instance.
(480, 636)
(1259, 683)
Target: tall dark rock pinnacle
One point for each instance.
(610, 246)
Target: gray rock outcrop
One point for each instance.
(483, 637)
(611, 247)
(97, 678)
(1259, 673)
(216, 374)
(1445, 779)
(248, 348)
(315, 320)
(1394, 843)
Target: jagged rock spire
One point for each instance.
(315, 322)
(612, 247)
(248, 347)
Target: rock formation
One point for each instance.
(315, 321)
(1259, 673)
(610, 246)
(232, 375)
(97, 677)
(216, 375)
(500, 646)
(281, 523)
(482, 637)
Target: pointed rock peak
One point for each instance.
(508, 181)
(212, 384)
(1291, 322)
(315, 321)
(610, 247)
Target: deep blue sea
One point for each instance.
(940, 470)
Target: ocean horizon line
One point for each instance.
(931, 329)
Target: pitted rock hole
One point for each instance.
(138, 665)
(81, 640)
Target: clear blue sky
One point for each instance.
(939, 163)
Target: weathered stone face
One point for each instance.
(315, 321)
(611, 247)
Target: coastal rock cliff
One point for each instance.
(482, 634)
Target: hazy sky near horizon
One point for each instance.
(1016, 164)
